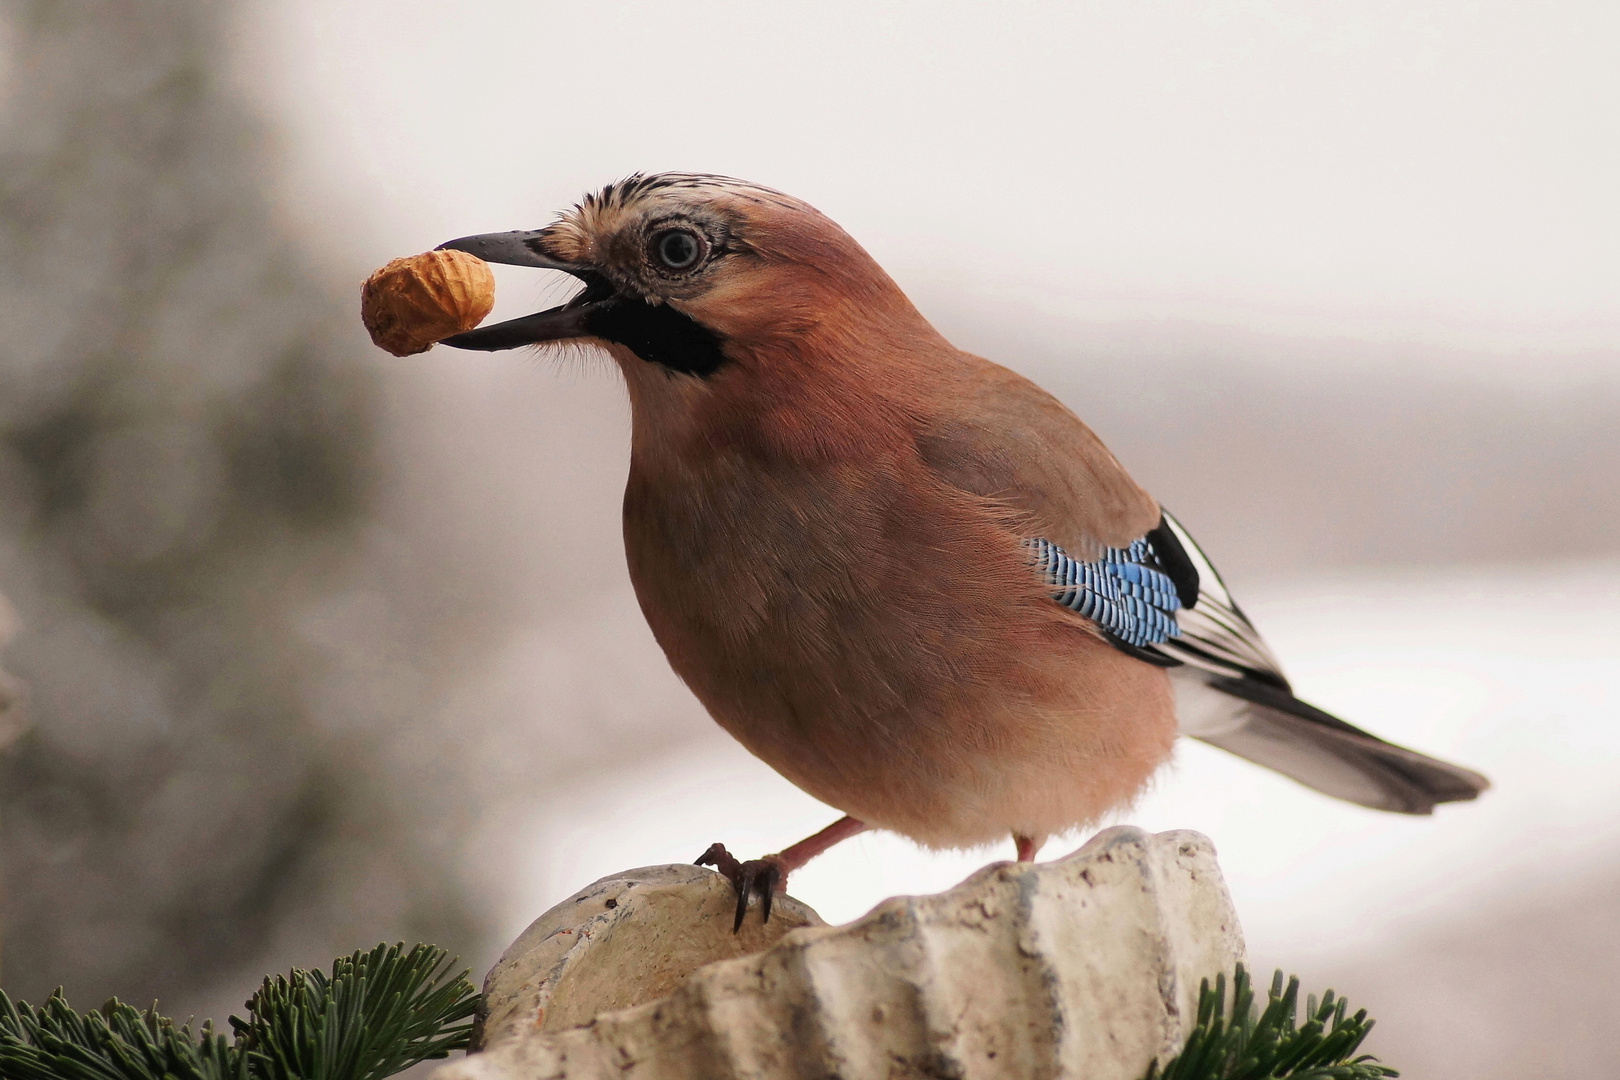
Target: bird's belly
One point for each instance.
(952, 711)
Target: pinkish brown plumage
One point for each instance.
(828, 523)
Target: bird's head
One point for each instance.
(692, 275)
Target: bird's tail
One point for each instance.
(1270, 726)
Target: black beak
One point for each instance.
(555, 324)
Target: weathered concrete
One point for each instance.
(627, 939)
(1087, 967)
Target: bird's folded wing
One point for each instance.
(1159, 599)
(1106, 550)
(997, 435)
(1215, 634)
(1123, 591)
(992, 433)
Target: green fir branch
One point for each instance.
(374, 1015)
(377, 1014)
(1250, 1044)
(118, 1042)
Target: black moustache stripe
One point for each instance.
(658, 334)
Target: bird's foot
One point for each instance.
(762, 877)
(768, 876)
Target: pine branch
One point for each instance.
(1250, 1044)
(117, 1043)
(376, 1014)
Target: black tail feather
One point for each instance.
(1321, 751)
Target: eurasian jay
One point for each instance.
(910, 580)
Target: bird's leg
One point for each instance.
(1028, 846)
(768, 876)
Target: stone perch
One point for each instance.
(1087, 967)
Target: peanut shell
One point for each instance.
(416, 301)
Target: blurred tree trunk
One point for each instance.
(186, 458)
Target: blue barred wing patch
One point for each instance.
(1121, 591)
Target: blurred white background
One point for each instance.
(1340, 282)
(1440, 170)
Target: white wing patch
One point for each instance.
(1215, 634)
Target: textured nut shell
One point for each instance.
(1087, 967)
(416, 301)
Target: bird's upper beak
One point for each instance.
(526, 248)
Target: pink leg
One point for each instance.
(768, 876)
(1028, 846)
(791, 858)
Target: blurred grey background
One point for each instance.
(319, 648)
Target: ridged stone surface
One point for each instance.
(1087, 967)
(626, 939)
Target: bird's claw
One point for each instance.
(762, 877)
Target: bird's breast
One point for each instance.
(876, 637)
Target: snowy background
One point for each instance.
(324, 647)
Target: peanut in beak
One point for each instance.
(419, 300)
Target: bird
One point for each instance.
(907, 578)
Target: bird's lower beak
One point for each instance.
(555, 324)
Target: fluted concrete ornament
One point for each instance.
(627, 939)
(1087, 967)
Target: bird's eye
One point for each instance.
(678, 249)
